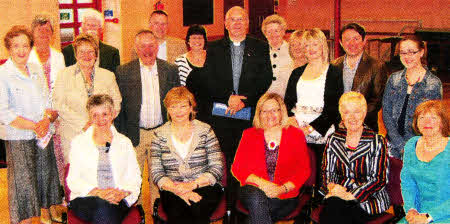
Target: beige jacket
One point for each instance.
(70, 98)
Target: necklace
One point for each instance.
(411, 83)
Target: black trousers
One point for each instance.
(197, 213)
(337, 210)
(264, 210)
(229, 138)
(99, 211)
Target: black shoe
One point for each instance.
(141, 212)
(399, 213)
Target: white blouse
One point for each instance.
(182, 148)
(310, 103)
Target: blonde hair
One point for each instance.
(438, 107)
(317, 34)
(264, 98)
(273, 19)
(352, 96)
(179, 94)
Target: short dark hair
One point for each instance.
(159, 12)
(17, 31)
(40, 20)
(98, 100)
(196, 30)
(356, 27)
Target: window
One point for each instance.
(70, 12)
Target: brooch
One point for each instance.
(272, 145)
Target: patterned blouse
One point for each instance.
(363, 171)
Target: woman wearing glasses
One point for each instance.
(405, 90)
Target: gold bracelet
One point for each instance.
(285, 189)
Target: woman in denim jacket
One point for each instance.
(411, 86)
(405, 90)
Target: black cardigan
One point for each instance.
(334, 88)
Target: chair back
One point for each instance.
(311, 181)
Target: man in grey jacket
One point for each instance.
(143, 84)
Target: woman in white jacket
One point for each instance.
(104, 176)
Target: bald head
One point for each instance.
(236, 22)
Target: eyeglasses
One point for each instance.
(409, 53)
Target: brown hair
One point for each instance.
(86, 38)
(178, 94)
(296, 35)
(264, 98)
(419, 42)
(98, 100)
(40, 20)
(16, 31)
(436, 106)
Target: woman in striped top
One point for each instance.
(354, 167)
(196, 56)
(186, 162)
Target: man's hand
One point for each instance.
(235, 104)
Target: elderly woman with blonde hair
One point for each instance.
(426, 166)
(271, 147)
(75, 84)
(354, 167)
(274, 29)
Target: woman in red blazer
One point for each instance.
(271, 163)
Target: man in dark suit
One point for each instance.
(237, 72)
(92, 23)
(143, 84)
(361, 72)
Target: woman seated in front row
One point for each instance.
(104, 176)
(271, 163)
(426, 172)
(186, 162)
(354, 167)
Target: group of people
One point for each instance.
(195, 110)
